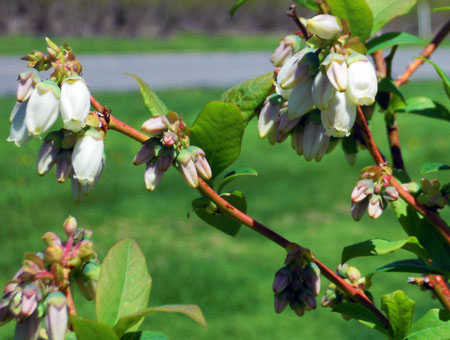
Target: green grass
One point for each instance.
(186, 42)
(190, 262)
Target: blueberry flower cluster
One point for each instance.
(36, 292)
(77, 148)
(170, 146)
(329, 78)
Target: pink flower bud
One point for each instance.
(362, 189)
(325, 26)
(287, 47)
(336, 69)
(359, 208)
(187, 168)
(152, 175)
(70, 225)
(390, 194)
(156, 125)
(362, 80)
(202, 166)
(30, 298)
(27, 81)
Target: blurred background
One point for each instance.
(191, 52)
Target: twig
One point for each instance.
(233, 212)
(368, 138)
(292, 12)
(440, 289)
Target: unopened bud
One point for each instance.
(70, 225)
(153, 175)
(156, 125)
(353, 274)
(57, 316)
(280, 301)
(375, 208)
(390, 194)
(322, 91)
(63, 165)
(363, 188)
(325, 26)
(269, 114)
(281, 280)
(51, 238)
(314, 139)
(27, 81)
(30, 298)
(358, 209)
(148, 150)
(187, 168)
(29, 328)
(298, 69)
(287, 47)
(166, 158)
(200, 162)
(297, 139)
(48, 152)
(298, 307)
(300, 100)
(54, 253)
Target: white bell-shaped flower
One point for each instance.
(48, 152)
(322, 91)
(18, 132)
(340, 115)
(300, 100)
(336, 70)
(74, 103)
(187, 168)
(325, 26)
(362, 80)
(43, 107)
(153, 175)
(298, 69)
(87, 156)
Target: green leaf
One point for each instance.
(439, 9)
(89, 329)
(361, 314)
(432, 167)
(154, 104)
(435, 325)
(309, 4)
(145, 335)
(390, 39)
(357, 13)
(385, 10)
(405, 266)
(70, 336)
(208, 212)
(124, 284)
(399, 310)
(385, 87)
(192, 311)
(377, 246)
(235, 7)
(445, 78)
(231, 176)
(250, 94)
(424, 106)
(218, 130)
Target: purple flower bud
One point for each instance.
(166, 158)
(269, 115)
(5, 314)
(57, 317)
(156, 125)
(169, 138)
(280, 302)
(187, 168)
(336, 69)
(311, 276)
(298, 307)
(286, 124)
(358, 209)
(363, 188)
(314, 140)
(28, 329)
(375, 208)
(281, 280)
(153, 175)
(48, 151)
(63, 165)
(310, 301)
(147, 151)
(27, 81)
(297, 139)
(18, 132)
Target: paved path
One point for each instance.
(165, 70)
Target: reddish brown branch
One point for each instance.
(368, 138)
(440, 289)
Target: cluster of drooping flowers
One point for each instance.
(372, 192)
(334, 295)
(170, 145)
(328, 78)
(297, 283)
(77, 148)
(37, 290)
